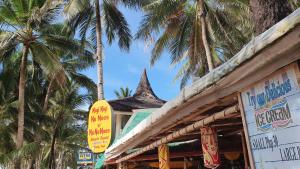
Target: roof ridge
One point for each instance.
(144, 88)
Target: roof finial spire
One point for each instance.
(144, 87)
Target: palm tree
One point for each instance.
(20, 23)
(8, 109)
(202, 34)
(25, 28)
(8, 112)
(266, 13)
(87, 15)
(72, 62)
(123, 92)
(37, 121)
(66, 104)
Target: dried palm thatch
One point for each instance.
(143, 98)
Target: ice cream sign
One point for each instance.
(273, 117)
(272, 110)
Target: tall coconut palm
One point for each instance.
(35, 120)
(72, 62)
(8, 112)
(86, 15)
(201, 33)
(22, 24)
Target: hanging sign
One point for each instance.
(272, 110)
(99, 126)
(164, 156)
(210, 147)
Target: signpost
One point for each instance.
(99, 126)
(84, 157)
(272, 113)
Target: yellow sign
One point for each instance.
(164, 157)
(99, 126)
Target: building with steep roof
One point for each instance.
(143, 98)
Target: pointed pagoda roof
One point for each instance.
(143, 98)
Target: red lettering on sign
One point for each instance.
(95, 110)
(103, 109)
(93, 119)
(100, 118)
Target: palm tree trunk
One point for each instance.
(60, 160)
(204, 35)
(99, 51)
(266, 13)
(52, 151)
(38, 160)
(30, 163)
(22, 81)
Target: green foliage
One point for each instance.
(81, 17)
(53, 81)
(123, 92)
(178, 27)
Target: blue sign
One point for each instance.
(84, 157)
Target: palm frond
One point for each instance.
(43, 55)
(116, 25)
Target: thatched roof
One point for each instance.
(143, 98)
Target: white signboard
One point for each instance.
(272, 110)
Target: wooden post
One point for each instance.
(122, 165)
(185, 163)
(118, 124)
(246, 159)
(119, 166)
(245, 127)
(164, 157)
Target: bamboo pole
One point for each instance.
(245, 150)
(183, 131)
(245, 127)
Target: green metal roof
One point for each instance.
(134, 120)
(100, 161)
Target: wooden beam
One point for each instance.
(229, 146)
(246, 159)
(182, 131)
(246, 131)
(123, 113)
(174, 155)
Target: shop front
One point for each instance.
(243, 114)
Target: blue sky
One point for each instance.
(123, 69)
